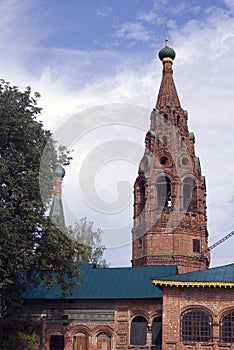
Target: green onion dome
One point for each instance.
(59, 172)
(167, 54)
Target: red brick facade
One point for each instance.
(214, 301)
(114, 332)
(170, 226)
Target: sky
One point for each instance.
(95, 64)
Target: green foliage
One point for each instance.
(18, 337)
(29, 240)
(87, 242)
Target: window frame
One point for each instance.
(189, 190)
(138, 319)
(196, 245)
(198, 327)
(227, 338)
(163, 191)
(157, 341)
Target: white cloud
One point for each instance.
(71, 81)
(133, 31)
(161, 16)
(230, 4)
(104, 11)
(151, 17)
(206, 85)
(100, 13)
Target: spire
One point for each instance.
(166, 39)
(170, 224)
(167, 97)
(56, 210)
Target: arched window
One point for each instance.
(185, 161)
(57, 342)
(196, 325)
(163, 185)
(163, 160)
(138, 331)
(227, 328)
(142, 195)
(80, 341)
(157, 331)
(103, 341)
(189, 194)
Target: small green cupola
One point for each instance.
(166, 54)
(59, 172)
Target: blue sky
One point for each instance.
(95, 64)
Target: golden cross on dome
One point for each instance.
(166, 39)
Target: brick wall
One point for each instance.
(176, 300)
(58, 319)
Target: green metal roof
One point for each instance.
(108, 283)
(216, 274)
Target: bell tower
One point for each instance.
(170, 224)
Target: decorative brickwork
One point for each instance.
(170, 225)
(215, 302)
(56, 210)
(196, 310)
(114, 334)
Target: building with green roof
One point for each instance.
(169, 299)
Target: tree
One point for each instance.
(29, 240)
(87, 243)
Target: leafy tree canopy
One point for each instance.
(87, 243)
(29, 240)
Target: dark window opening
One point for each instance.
(182, 142)
(157, 331)
(178, 119)
(163, 185)
(227, 328)
(165, 118)
(138, 331)
(196, 246)
(189, 194)
(57, 342)
(164, 140)
(142, 196)
(196, 325)
(163, 160)
(139, 243)
(185, 161)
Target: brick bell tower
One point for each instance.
(170, 224)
